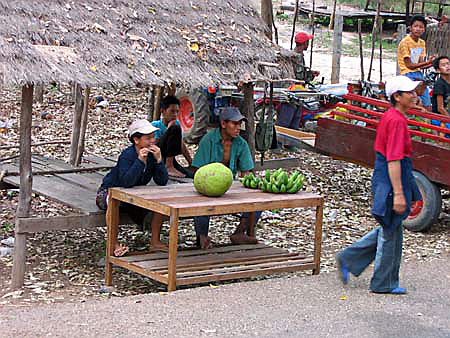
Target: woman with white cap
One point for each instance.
(137, 165)
(393, 191)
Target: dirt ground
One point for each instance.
(68, 266)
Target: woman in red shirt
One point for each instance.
(393, 191)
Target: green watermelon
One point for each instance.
(213, 179)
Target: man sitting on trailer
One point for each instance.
(226, 146)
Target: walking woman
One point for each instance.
(393, 191)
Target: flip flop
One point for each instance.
(121, 251)
(396, 291)
(342, 270)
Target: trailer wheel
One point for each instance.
(194, 114)
(425, 213)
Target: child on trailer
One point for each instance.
(137, 165)
(441, 91)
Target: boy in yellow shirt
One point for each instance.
(411, 56)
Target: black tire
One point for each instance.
(200, 106)
(432, 205)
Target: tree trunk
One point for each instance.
(158, 96)
(26, 182)
(150, 102)
(267, 16)
(337, 49)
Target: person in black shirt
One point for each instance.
(441, 91)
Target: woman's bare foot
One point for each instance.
(242, 238)
(175, 173)
(205, 242)
(120, 250)
(158, 246)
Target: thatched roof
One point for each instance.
(120, 42)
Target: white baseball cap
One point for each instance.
(141, 126)
(400, 83)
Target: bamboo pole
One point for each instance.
(333, 15)
(381, 48)
(76, 124)
(374, 38)
(361, 49)
(293, 24)
(83, 126)
(26, 183)
(312, 31)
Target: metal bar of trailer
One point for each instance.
(378, 114)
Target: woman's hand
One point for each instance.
(156, 152)
(399, 203)
(143, 154)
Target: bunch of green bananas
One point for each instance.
(251, 181)
(277, 181)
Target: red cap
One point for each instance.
(303, 37)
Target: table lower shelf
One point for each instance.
(219, 263)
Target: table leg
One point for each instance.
(251, 224)
(112, 222)
(173, 250)
(318, 238)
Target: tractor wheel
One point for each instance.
(426, 212)
(194, 115)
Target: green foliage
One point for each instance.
(7, 228)
(282, 16)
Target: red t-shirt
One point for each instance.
(393, 140)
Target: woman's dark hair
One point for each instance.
(438, 60)
(168, 100)
(418, 18)
(137, 135)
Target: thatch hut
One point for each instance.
(122, 43)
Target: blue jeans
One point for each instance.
(383, 247)
(201, 223)
(425, 98)
(438, 123)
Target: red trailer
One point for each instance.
(351, 138)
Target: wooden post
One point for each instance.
(150, 102)
(267, 16)
(248, 112)
(112, 223)
(83, 126)
(158, 96)
(173, 251)
(401, 33)
(76, 124)
(293, 24)
(331, 25)
(407, 12)
(39, 93)
(26, 183)
(374, 38)
(337, 47)
(318, 238)
(361, 49)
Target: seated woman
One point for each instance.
(137, 165)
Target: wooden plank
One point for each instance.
(257, 265)
(137, 257)
(153, 275)
(299, 135)
(287, 162)
(89, 181)
(40, 224)
(209, 259)
(230, 262)
(62, 191)
(244, 274)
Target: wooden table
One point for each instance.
(220, 263)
